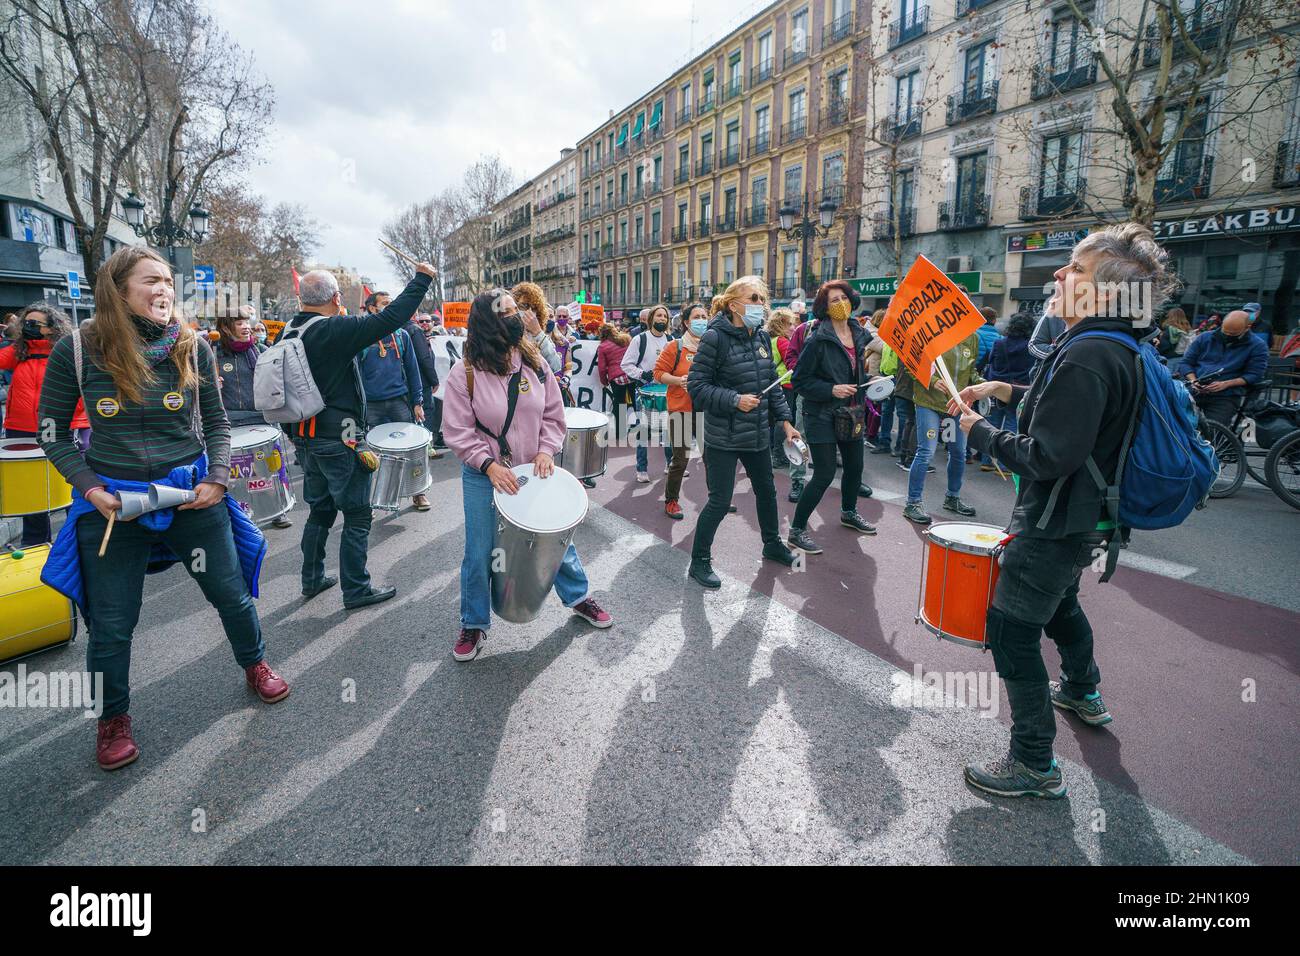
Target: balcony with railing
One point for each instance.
(973, 101)
(895, 128)
(794, 130)
(653, 239)
(1286, 168)
(1204, 27)
(1189, 179)
(684, 116)
(969, 6)
(757, 214)
(835, 113)
(705, 105)
(732, 89)
(971, 213)
(681, 233)
(1066, 198)
(704, 165)
(834, 192)
(785, 288)
(554, 235)
(837, 30)
(590, 211)
(726, 223)
(702, 229)
(1048, 82)
(883, 227)
(761, 73)
(729, 156)
(515, 221)
(795, 53)
(760, 143)
(681, 175)
(549, 201)
(909, 27)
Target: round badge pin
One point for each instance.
(173, 401)
(107, 407)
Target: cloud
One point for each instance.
(383, 104)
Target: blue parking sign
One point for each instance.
(74, 285)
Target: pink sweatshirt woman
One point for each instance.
(538, 425)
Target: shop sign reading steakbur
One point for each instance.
(1262, 219)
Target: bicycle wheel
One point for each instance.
(1232, 458)
(1282, 468)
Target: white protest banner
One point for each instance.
(584, 379)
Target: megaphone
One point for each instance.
(165, 496)
(134, 504)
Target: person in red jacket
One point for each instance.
(31, 334)
(609, 365)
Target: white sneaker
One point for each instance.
(643, 478)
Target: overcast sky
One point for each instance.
(384, 103)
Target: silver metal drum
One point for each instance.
(586, 443)
(534, 529)
(403, 452)
(259, 477)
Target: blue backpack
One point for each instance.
(1165, 467)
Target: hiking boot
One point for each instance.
(1006, 777)
(673, 510)
(796, 489)
(270, 686)
(778, 552)
(469, 644)
(1090, 708)
(957, 506)
(851, 519)
(801, 539)
(114, 746)
(593, 613)
(914, 513)
(702, 572)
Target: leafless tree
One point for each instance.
(420, 230)
(487, 181)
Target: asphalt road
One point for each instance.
(772, 721)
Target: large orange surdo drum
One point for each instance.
(958, 575)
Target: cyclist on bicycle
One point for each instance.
(1220, 365)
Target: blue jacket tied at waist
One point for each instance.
(63, 570)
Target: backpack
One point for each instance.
(284, 389)
(1165, 467)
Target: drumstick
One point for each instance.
(780, 381)
(951, 386)
(112, 516)
(400, 253)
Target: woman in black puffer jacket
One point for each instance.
(732, 368)
(828, 379)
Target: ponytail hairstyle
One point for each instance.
(487, 347)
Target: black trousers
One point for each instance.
(1219, 408)
(720, 473)
(823, 455)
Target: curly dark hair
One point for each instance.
(1021, 325)
(820, 307)
(487, 347)
(690, 307)
(58, 320)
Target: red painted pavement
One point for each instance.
(1174, 657)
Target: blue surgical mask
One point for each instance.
(699, 326)
(755, 315)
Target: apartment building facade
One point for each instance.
(512, 238)
(681, 191)
(555, 229)
(466, 254)
(995, 148)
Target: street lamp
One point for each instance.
(167, 232)
(805, 228)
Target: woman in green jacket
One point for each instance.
(934, 423)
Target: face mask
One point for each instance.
(33, 330)
(841, 310)
(514, 329)
(661, 326)
(699, 327)
(754, 316)
(550, 326)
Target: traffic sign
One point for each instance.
(205, 277)
(74, 286)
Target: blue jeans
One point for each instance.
(571, 585)
(928, 425)
(115, 588)
(1000, 416)
(333, 481)
(643, 439)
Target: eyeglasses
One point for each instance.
(757, 297)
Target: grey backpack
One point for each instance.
(284, 389)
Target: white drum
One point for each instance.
(797, 452)
(259, 478)
(879, 389)
(403, 452)
(586, 443)
(534, 529)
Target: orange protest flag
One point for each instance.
(455, 315)
(928, 315)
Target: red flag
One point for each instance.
(296, 277)
(365, 292)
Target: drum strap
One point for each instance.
(512, 398)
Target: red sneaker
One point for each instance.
(593, 613)
(673, 510)
(114, 747)
(270, 686)
(469, 644)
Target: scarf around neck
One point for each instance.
(159, 340)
